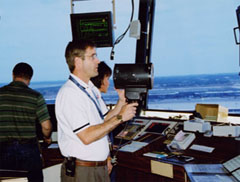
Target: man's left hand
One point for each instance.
(109, 165)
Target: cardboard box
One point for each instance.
(213, 112)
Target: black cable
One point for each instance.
(120, 142)
(239, 57)
(123, 35)
(238, 43)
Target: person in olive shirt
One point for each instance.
(20, 108)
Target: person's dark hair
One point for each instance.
(76, 49)
(103, 70)
(23, 70)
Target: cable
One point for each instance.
(123, 35)
(239, 54)
(114, 159)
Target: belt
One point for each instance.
(90, 163)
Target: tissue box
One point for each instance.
(213, 112)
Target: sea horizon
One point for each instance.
(172, 92)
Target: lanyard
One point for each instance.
(84, 90)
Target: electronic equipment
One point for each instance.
(135, 29)
(182, 140)
(227, 131)
(96, 26)
(136, 79)
(154, 126)
(197, 125)
(142, 126)
(133, 75)
(132, 129)
(70, 166)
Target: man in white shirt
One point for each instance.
(82, 129)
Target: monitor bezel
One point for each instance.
(77, 17)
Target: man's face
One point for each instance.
(90, 63)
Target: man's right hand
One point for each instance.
(128, 111)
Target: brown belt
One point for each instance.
(90, 163)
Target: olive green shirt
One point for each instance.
(20, 109)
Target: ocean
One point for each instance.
(180, 93)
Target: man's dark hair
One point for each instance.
(76, 49)
(23, 70)
(103, 70)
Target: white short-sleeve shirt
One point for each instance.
(101, 101)
(75, 111)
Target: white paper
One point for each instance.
(133, 146)
(202, 148)
(205, 168)
(236, 174)
(53, 146)
(211, 178)
(232, 164)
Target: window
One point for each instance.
(193, 49)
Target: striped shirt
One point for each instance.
(20, 109)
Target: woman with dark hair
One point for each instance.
(102, 80)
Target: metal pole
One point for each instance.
(146, 17)
(72, 5)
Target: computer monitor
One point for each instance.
(96, 27)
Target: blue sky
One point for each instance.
(190, 36)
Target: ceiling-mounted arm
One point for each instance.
(114, 12)
(146, 17)
(71, 1)
(72, 5)
(113, 7)
(143, 47)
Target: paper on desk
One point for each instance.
(211, 178)
(236, 174)
(201, 148)
(15, 180)
(207, 173)
(232, 164)
(205, 168)
(53, 146)
(133, 146)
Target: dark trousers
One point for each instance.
(26, 157)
